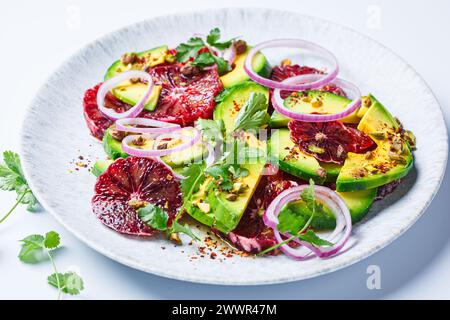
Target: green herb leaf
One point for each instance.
(188, 50)
(154, 216)
(311, 237)
(69, 282)
(213, 40)
(205, 59)
(308, 195)
(32, 250)
(212, 130)
(179, 228)
(52, 240)
(253, 113)
(194, 178)
(289, 221)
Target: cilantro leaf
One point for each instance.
(154, 216)
(205, 59)
(289, 221)
(253, 113)
(69, 282)
(179, 228)
(314, 239)
(12, 179)
(188, 50)
(52, 240)
(32, 250)
(213, 40)
(212, 130)
(194, 178)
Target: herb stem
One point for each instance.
(56, 274)
(19, 200)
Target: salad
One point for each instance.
(273, 159)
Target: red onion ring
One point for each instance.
(348, 87)
(159, 153)
(292, 43)
(151, 126)
(229, 54)
(333, 201)
(110, 84)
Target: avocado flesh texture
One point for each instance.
(331, 103)
(100, 166)
(225, 215)
(113, 149)
(233, 100)
(131, 93)
(289, 157)
(360, 173)
(238, 74)
(358, 203)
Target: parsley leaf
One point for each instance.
(154, 216)
(12, 179)
(253, 113)
(212, 130)
(194, 178)
(311, 237)
(179, 228)
(213, 40)
(188, 50)
(69, 282)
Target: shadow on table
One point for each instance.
(400, 263)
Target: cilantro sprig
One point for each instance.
(12, 179)
(253, 113)
(295, 225)
(158, 219)
(37, 248)
(191, 51)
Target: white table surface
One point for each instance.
(37, 36)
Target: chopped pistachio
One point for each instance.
(315, 149)
(316, 103)
(204, 207)
(231, 197)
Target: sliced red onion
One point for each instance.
(120, 78)
(292, 43)
(187, 142)
(229, 54)
(329, 198)
(351, 90)
(148, 125)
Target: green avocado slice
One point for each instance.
(131, 93)
(313, 101)
(383, 165)
(113, 149)
(238, 74)
(231, 101)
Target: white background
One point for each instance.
(37, 36)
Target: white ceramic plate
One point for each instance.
(55, 133)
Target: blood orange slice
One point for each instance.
(129, 184)
(329, 141)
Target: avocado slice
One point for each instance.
(358, 203)
(391, 160)
(238, 74)
(113, 149)
(215, 210)
(100, 166)
(231, 101)
(313, 101)
(131, 93)
(290, 158)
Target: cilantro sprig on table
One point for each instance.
(295, 225)
(37, 248)
(190, 50)
(12, 179)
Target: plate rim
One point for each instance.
(197, 279)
